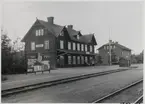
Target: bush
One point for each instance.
(4, 78)
(18, 69)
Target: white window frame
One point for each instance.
(74, 46)
(78, 46)
(78, 37)
(42, 32)
(32, 46)
(69, 45)
(86, 48)
(46, 44)
(61, 44)
(104, 47)
(91, 48)
(82, 47)
(37, 33)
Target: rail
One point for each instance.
(116, 92)
(55, 82)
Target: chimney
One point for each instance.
(50, 20)
(116, 42)
(110, 41)
(70, 26)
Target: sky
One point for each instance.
(122, 21)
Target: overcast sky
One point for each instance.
(122, 20)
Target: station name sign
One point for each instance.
(87, 52)
(39, 45)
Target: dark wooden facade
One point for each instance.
(60, 53)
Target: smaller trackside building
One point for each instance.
(117, 51)
(53, 45)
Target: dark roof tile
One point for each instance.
(116, 44)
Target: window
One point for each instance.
(78, 59)
(69, 59)
(61, 44)
(62, 33)
(74, 46)
(91, 58)
(82, 59)
(82, 47)
(85, 47)
(78, 36)
(78, 46)
(91, 48)
(111, 47)
(40, 32)
(32, 45)
(37, 32)
(105, 47)
(46, 44)
(74, 59)
(86, 59)
(69, 45)
(121, 53)
(128, 54)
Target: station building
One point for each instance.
(118, 51)
(58, 46)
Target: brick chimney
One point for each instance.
(70, 26)
(116, 42)
(110, 41)
(50, 20)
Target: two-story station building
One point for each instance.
(117, 51)
(56, 45)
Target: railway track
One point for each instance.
(118, 91)
(55, 82)
(139, 100)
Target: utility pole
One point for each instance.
(110, 48)
(110, 52)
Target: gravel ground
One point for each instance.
(23, 79)
(82, 91)
(127, 96)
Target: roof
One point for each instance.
(53, 28)
(86, 38)
(116, 44)
(83, 38)
(56, 30)
(72, 33)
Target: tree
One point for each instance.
(17, 45)
(6, 53)
(19, 62)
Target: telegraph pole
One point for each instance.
(109, 48)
